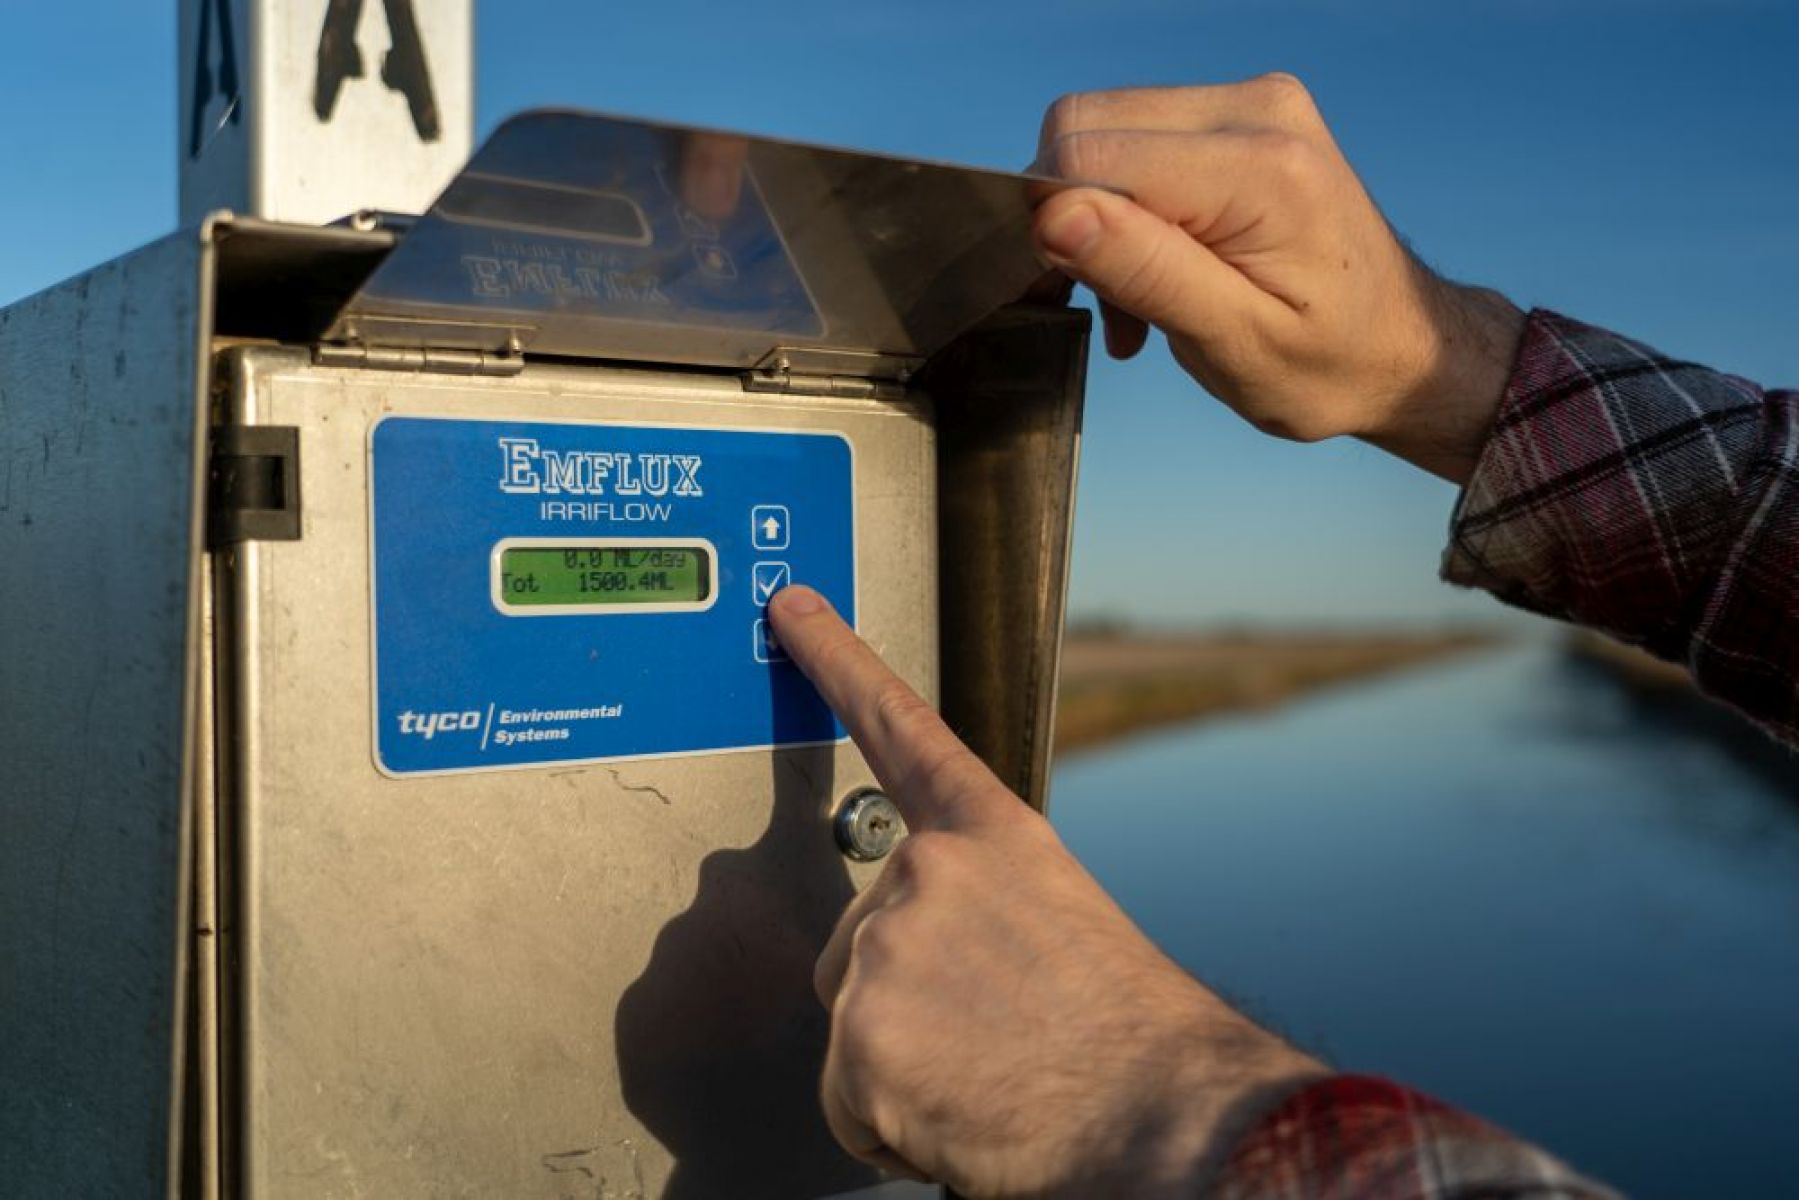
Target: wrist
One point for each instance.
(1216, 1081)
(1441, 423)
(1223, 1107)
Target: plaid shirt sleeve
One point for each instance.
(1657, 501)
(1353, 1137)
(1652, 499)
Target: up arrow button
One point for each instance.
(769, 527)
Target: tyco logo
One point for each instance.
(429, 725)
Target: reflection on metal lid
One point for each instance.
(547, 209)
(594, 236)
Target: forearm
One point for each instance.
(1654, 500)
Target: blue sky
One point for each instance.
(1632, 162)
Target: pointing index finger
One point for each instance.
(934, 779)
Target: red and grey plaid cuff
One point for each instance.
(1650, 498)
(1354, 1136)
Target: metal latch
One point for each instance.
(253, 485)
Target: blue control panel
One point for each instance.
(558, 592)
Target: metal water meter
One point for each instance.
(401, 791)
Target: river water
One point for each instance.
(1494, 880)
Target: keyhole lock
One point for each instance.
(867, 825)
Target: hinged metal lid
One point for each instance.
(593, 236)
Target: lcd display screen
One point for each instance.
(602, 575)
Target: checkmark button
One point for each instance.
(767, 578)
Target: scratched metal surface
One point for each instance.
(97, 441)
(584, 980)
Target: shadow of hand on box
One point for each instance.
(721, 1039)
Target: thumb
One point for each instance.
(1143, 264)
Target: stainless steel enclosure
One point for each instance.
(477, 983)
(102, 433)
(236, 956)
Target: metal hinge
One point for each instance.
(794, 384)
(829, 371)
(253, 485)
(404, 358)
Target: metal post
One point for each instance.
(309, 110)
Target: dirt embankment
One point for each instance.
(1115, 684)
(1663, 693)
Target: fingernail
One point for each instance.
(798, 599)
(1070, 234)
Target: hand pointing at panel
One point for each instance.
(998, 1023)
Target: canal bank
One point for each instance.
(1117, 683)
(1663, 694)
